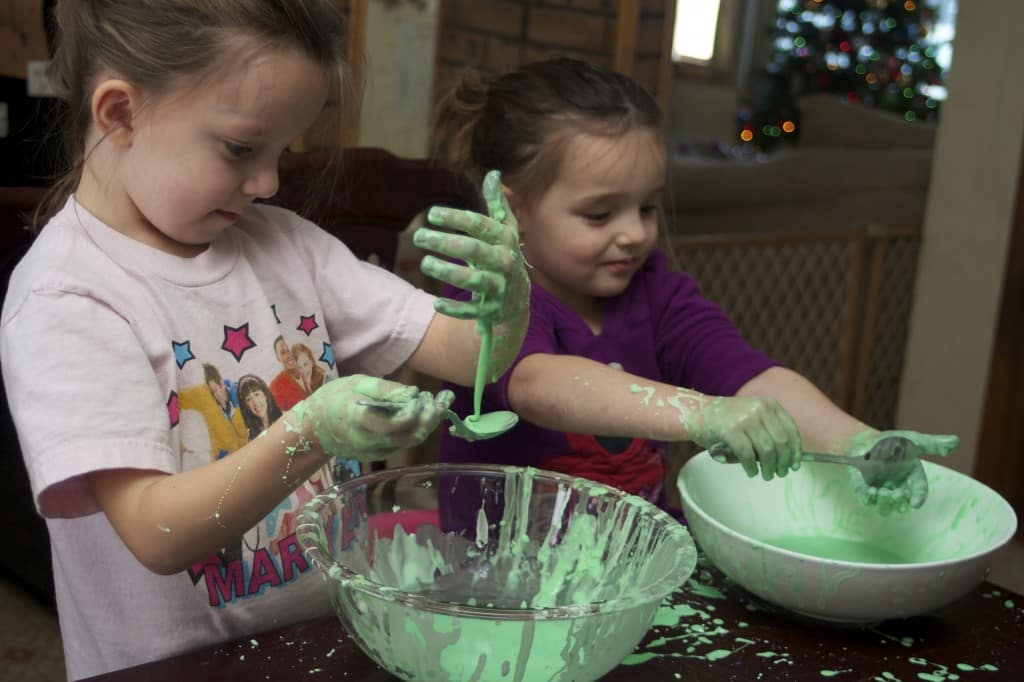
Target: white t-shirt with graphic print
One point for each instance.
(117, 355)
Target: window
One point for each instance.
(693, 36)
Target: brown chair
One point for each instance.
(26, 555)
(368, 196)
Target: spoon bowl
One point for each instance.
(473, 427)
(482, 426)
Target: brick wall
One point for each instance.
(498, 35)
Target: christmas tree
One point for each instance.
(889, 54)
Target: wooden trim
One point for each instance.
(1001, 438)
(439, 30)
(626, 22)
(357, 64)
(848, 337)
(890, 232)
(666, 72)
(742, 239)
(872, 311)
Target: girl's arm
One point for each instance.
(171, 521)
(823, 426)
(575, 394)
(448, 350)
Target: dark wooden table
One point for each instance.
(711, 629)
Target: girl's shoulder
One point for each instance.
(59, 258)
(269, 224)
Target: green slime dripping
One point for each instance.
(589, 559)
(482, 426)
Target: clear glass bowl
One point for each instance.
(458, 572)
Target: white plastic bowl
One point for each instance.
(845, 562)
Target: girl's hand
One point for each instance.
(913, 490)
(496, 271)
(756, 430)
(333, 418)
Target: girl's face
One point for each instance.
(305, 363)
(591, 230)
(199, 157)
(256, 401)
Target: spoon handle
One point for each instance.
(833, 459)
(721, 453)
(380, 404)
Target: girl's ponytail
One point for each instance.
(454, 122)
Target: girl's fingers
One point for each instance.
(793, 441)
(484, 282)
(460, 310)
(461, 247)
(775, 427)
(497, 202)
(766, 454)
(739, 445)
(469, 222)
(937, 444)
(444, 399)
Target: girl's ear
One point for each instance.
(115, 104)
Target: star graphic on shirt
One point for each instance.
(237, 340)
(172, 409)
(328, 355)
(273, 309)
(182, 352)
(308, 324)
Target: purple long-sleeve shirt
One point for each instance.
(660, 328)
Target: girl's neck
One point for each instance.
(100, 193)
(590, 309)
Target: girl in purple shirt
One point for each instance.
(622, 354)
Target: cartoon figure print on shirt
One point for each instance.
(222, 402)
(636, 465)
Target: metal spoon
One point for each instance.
(887, 464)
(474, 427)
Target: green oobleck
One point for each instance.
(840, 549)
(566, 582)
(482, 426)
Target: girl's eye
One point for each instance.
(648, 210)
(236, 149)
(598, 217)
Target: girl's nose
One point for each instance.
(632, 229)
(263, 183)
